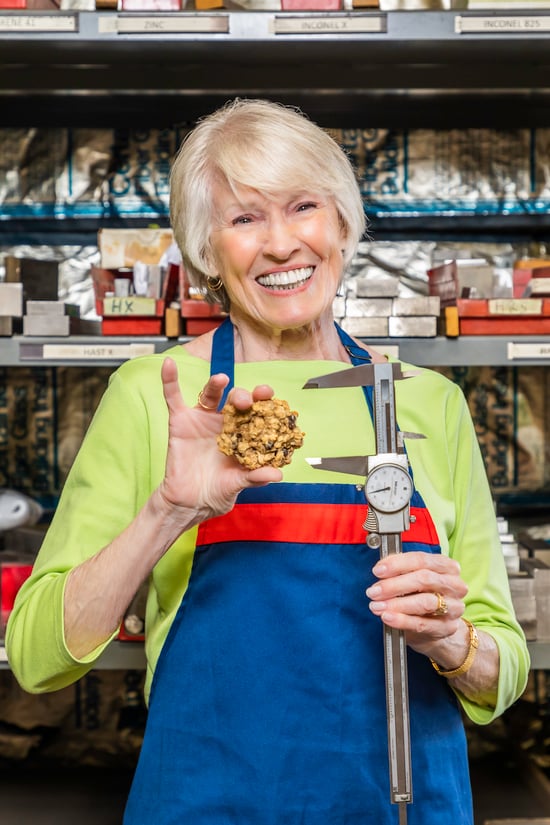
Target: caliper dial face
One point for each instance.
(388, 488)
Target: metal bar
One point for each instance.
(395, 648)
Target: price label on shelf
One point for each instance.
(328, 24)
(516, 351)
(172, 23)
(84, 352)
(28, 23)
(503, 24)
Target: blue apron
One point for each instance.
(268, 701)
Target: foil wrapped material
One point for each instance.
(104, 172)
(450, 172)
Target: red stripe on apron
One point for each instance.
(304, 524)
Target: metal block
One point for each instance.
(51, 308)
(419, 305)
(368, 307)
(339, 306)
(373, 286)
(539, 573)
(11, 300)
(542, 598)
(366, 327)
(522, 589)
(46, 325)
(418, 326)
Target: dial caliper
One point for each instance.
(388, 490)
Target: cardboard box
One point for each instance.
(121, 248)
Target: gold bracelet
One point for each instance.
(468, 661)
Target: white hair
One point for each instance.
(268, 147)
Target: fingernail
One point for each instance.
(373, 591)
(379, 568)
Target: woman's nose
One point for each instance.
(281, 239)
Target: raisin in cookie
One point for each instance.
(264, 435)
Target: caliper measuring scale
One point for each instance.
(388, 491)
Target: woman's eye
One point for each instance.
(242, 219)
(303, 207)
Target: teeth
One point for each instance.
(287, 280)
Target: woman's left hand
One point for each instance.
(421, 594)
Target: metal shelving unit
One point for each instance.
(131, 656)
(429, 69)
(79, 351)
(382, 68)
(118, 656)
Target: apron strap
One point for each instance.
(223, 356)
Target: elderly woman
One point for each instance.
(265, 675)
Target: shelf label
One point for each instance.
(502, 24)
(518, 351)
(133, 305)
(515, 306)
(172, 23)
(328, 24)
(38, 23)
(84, 352)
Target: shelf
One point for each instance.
(344, 68)
(131, 656)
(78, 351)
(383, 226)
(118, 656)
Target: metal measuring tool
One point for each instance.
(388, 490)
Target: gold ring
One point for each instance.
(202, 404)
(441, 608)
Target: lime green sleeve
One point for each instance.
(108, 483)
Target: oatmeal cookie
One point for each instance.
(265, 434)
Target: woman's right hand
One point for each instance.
(199, 480)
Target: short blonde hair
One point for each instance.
(266, 146)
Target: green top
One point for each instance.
(122, 460)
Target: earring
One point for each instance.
(214, 284)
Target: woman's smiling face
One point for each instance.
(279, 256)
